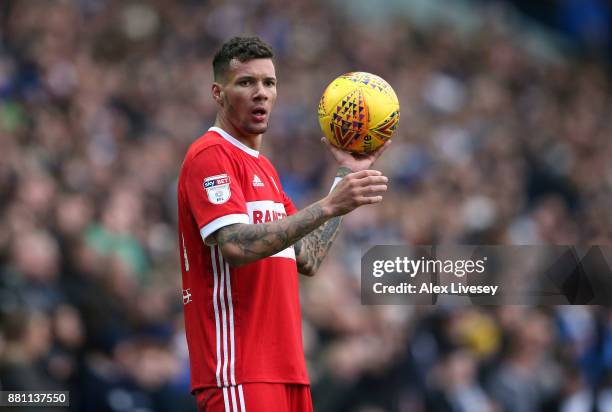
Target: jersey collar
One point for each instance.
(234, 141)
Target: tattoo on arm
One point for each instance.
(242, 243)
(311, 250)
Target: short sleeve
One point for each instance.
(213, 191)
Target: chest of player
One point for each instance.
(262, 194)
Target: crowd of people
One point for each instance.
(99, 101)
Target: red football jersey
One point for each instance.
(243, 324)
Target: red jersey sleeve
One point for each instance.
(213, 191)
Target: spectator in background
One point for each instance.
(526, 378)
(28, 339)
(455, 387)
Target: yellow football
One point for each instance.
(358, 112)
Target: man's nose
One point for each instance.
(261, 93)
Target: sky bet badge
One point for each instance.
(218, 188)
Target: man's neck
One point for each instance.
(252, 141)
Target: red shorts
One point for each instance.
(255, 397)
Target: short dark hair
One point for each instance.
(241, 49)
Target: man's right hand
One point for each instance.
(355, 189)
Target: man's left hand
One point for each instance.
(355, 162)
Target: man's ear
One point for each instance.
(217, 93)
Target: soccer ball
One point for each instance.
(358, 112)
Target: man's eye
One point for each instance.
(244, 82)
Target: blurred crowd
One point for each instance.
(99, 101)
(586, 24)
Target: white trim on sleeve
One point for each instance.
(221, 222)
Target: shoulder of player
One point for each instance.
(200, 155)
(210, 144)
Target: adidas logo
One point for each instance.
(257, 181)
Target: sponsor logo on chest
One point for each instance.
(264, 211)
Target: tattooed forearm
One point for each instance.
(312, 249)
(242, 243)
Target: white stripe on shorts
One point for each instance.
(226, 400)
(241, 395)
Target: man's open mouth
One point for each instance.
(259, 114)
